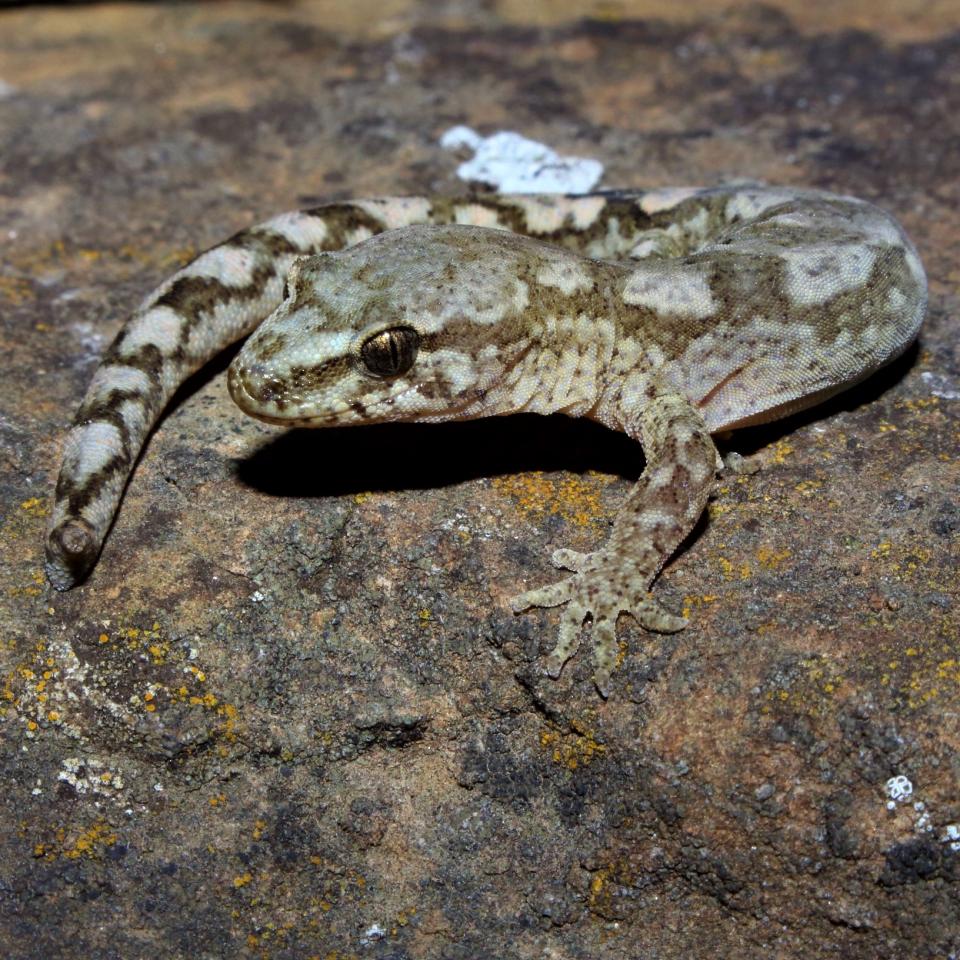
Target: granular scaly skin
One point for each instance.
(668, 315)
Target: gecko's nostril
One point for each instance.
(252, 385)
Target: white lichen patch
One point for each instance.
(89, 775)
(899, 789)
(951, 836)
(514, 164)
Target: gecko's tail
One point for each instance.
(206, 306)
(209, 304)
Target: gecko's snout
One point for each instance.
(255, 390)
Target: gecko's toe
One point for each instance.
(569, 559)
(551, 595)
(652, 616)
(568, 642)
(605, 653)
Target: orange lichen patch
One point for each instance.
(598, 883)
(89, 842)
(607, 885)
(207, 700)
(131, 637)
(781, 450)
(159, 651)
(402, 919)
(230, 722)
(717, 508)
(809, 692)
(32, 691)
(904, 561)
(258, 827)
(571, 750)
(227, 730)
(733, 571)
(623, 651)
(341, 880)
(174, 681)
(218, 800)
(35, 588)
(770, 559)
(915, 670)
(916, 404)
(924, 671)
(15, 290)
(78, 259)
(36, 507)
(575, 499)
(242, 880)
(808, 487)
(691, 603)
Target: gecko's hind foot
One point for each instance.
(599, 593)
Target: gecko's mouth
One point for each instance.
(261, 394)
(253, 391)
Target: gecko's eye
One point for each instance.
(390, 352)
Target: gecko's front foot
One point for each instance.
(600, 589)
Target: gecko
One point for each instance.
(670, 315)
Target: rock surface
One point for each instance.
(289, 714)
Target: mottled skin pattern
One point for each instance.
(668, 315)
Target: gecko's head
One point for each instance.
(420, 323)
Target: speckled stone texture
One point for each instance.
(290, 714)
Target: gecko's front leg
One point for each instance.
(659, 513)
